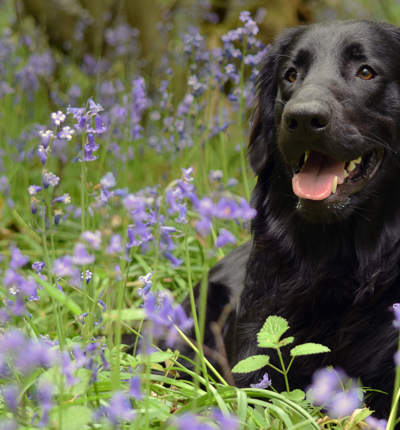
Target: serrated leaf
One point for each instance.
(250, 364)
(74, 417)
(271, 332)
(308, 349)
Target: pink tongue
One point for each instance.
(315, 180)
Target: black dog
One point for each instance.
(325, 254)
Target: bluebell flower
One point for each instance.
(225, 237)
(65, 198)
(42, 154)
(10, 393)
(108, 180)
(396, 312)
(215, 175)
(265, 382)
(92, 238)
(375, 424)
(57, 118)
(134, 388)
(115, 245)
(119, 409)
(49, 179)
(34, 205)
(66, 133)
(88, 276)
(175, 261)
(81, 256)
(17, 259)
(344, 403)
(38, 266)
(44, 397)
(68, 369)
(58, 213)
(34, 189)
(88, 154)
(325, 383)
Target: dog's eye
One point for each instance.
(366, 73)
(291, 75)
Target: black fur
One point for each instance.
(332, 270)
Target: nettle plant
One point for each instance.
(332, 392)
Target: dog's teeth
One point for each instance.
(357, 160)
(334, 185)
(345, 174)
(351, 166)
(307, 153)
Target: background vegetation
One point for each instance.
(123, 179)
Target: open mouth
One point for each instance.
(320, 177)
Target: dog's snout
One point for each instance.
(306, 118)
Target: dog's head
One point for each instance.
(328, 116)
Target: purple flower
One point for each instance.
(65, 198)
(17, 259)
(344, 403)
(108, 180)
(66, 133)
(226, 422)
(176, 262)
(33, 204)
(203, 227)
(47, 137)
(11, 396)
(34, 189)
(88, 154)
(81, 256)
(225, 237)
(38, 266)
(93, 239)
(49, 179)
(68, 368)
(147, 283)
(396, 311)
(88, 276)
(134, 388)
(57, 118)
(115, 245)
(63, 267)
(325, 383)
(215, 175)
(45, 393)
(119, 409)
(265, 382)
(376, 424)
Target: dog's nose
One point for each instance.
(306, 118)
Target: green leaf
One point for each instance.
(132, 314)
(272, 330)
(308, 349)
(286, 341)
(295, 395)
(156, 357)
(74, 417)
(361, 415)
(250, 364)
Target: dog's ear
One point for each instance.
(262, 131)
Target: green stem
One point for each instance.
(284, 370)
(197, 331)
